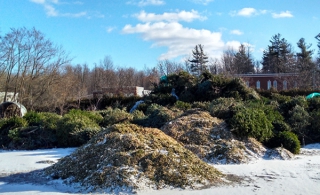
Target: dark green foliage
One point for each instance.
(280, 98)
(272, 113)
(120, 102)
(50, 120)
(314, 104)
(202, 105)
(33, 131)
(40, 132)
(33, 118)
(299, 119)
(114, 116)
(182, 105)
(94, 116)
(314, 133)
(222, 107)
(286, 139)
(76, 128)
(32, 137)
(162, 99)
(237, 89)
(178, 81)
(207, 88)
(138, 115)
(188, 95)
(287, 106)
(270, 110)
(44, 119)
(143, 107)
(9, 124)
(251, 122)
(157, 116)
(279, 126)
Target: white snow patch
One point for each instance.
(300, 175)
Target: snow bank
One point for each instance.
(300, 175)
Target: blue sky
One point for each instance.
(139, 33)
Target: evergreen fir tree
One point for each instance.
(199, 61)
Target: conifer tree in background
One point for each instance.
(305, 65)
(278, 58)
(318, 58)
(199, 61)
(304, 57)
(243, 62)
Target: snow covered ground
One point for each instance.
(264, 176)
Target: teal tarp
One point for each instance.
(164, 78)
(312, 95)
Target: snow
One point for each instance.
(300, 175)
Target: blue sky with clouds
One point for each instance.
(138, 33)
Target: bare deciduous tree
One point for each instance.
(31, 63)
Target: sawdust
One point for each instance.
(127, 157)
(211, 140)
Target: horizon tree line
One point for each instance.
(41, 73)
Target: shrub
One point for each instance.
(280, 98)
(286, 139)
(50, 120)
(33, 118)
(314, 133)
(279, 126)
(249, 122)
(76, 128)
(287, 106)
(222, 107)
(7, 124)
(94, 116)
(314, 104)
(157, 116)
(113, 116)
(237, 89)
(272, 113)
(162, 99)
(182, 105)
(138, 115)
(44, 119)
(40, 132)
(299, 119)
(202, 105)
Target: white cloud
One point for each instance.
(247, 12)
(170, 17)
(204, 2)
(178, 39)
(143, 3)
(50, 10)
(236, 44)
(110, 29)
(232, 44)
(286, 14)
(49, 7)
(236, 32)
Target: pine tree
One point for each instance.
(304, 57)
(242, 61)
(278, 58)
(318, 59)
(199, 61)
(305, 66)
